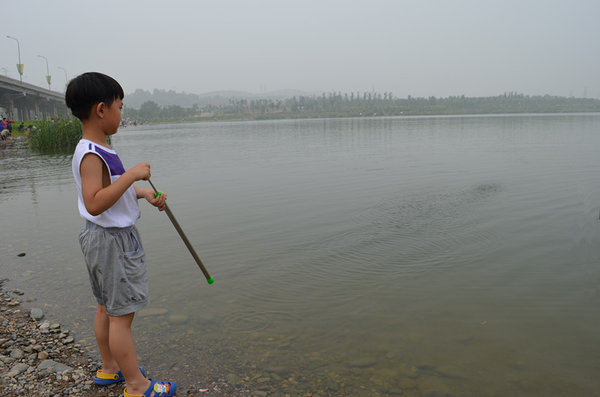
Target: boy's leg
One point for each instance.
(101, 327)
(122, 347)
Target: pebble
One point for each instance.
(17, 369)
(40, 358)
(17, 354)
(36, 314)
(178, 319)
(152, 311)
(32, 363)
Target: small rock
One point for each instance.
(6, 359)
(45, 327)
(233, 379)
(153, 311)
(178, 319)
(17, 369)
(36, 314)
(362, 362)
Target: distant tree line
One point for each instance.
(355, 104)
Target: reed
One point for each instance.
(54, 135)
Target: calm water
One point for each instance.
(389, 256)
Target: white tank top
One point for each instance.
(125, 211)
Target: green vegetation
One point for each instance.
(357, 105)
(54, 135)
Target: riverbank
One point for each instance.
(336, 105)
(40, 357)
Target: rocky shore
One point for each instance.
(39, 357)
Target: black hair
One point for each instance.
(88, 89)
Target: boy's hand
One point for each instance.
(141, 172)
(158, 201)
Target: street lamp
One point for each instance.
(47, 70)
(19, 65)
(66, 79)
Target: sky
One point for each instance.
(420, 48)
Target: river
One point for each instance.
(414, 256)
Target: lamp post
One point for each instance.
(19, 65)
(47, 70)
(66, 79)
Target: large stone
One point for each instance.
(53, 366)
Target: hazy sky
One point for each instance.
(418, 48)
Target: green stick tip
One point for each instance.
(210, 280)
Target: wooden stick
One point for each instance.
(187, 243)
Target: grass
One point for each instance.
(54, 135)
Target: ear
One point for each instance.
(99, 109)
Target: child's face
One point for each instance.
(113, 116)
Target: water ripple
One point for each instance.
(406, 235)
(249, 320)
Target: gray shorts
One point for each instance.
(116, 266)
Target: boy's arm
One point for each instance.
(98, 195)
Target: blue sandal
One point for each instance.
(156, 389)
(104, 379)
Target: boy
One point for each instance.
(110, 241)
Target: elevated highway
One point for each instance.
(24, 101)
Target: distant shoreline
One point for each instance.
(337, 105)
(325, 117)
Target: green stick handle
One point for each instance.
(187, 243)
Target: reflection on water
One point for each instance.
(386, 256)
(22, 170)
